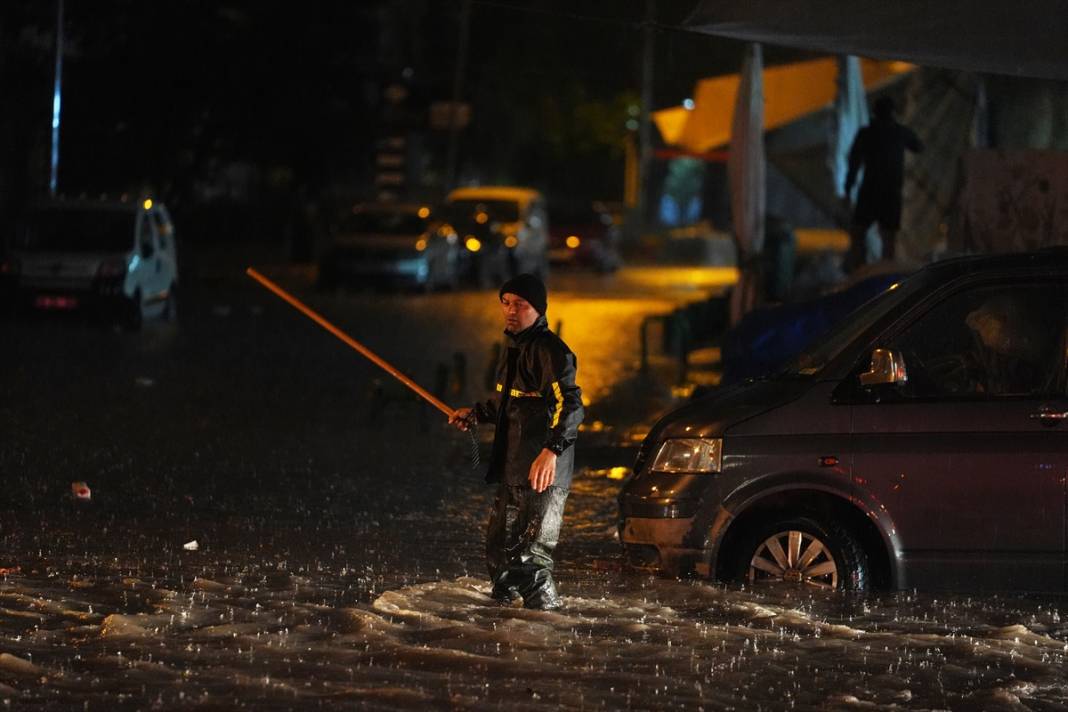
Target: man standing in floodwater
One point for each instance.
(536, 410)
(879, 148)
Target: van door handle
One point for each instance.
(1045, 413)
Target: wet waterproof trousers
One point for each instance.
(523, 530)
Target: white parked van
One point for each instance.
(117, 258)
(505, 231)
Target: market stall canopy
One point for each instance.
(790, 92)
(1025, 37)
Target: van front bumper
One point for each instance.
(655, 544)
(671, 534)
(101, 296)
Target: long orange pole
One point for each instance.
(349, 341)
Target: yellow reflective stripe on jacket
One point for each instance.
(517, 393)
(559, 404)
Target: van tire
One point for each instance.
(133, 318)
(542, 269)
(485, 275)
(831, 545)
(170, 307)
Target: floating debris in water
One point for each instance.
(191, 545)
(81, 491)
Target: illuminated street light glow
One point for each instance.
(573, 241)
(420, 244)
(424, 212)
(511, 241)
(481, 217)
(148, 203)
(472, 243)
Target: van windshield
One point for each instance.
(815, 358)
(73, 230)
(465, 211)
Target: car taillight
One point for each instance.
(112, 268)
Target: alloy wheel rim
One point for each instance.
(794, 556)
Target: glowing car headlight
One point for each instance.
(689, 455)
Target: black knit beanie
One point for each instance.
(530, 288)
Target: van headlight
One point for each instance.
(689, 455)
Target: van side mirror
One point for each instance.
(887, 367)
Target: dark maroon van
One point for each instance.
(922, 443)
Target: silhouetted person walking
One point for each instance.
(879, 148)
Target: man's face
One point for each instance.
(518, 314)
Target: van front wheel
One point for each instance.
(803, 551)
(170, 306)
(134, 316)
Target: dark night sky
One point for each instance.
(162, 93)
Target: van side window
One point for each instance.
(1005, 340)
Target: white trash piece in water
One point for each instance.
(81, 491)
(191, 545)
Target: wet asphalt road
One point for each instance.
(338, 534)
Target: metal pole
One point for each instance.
(645, 131)
(349, 341)
(57, 94)
(457, 89)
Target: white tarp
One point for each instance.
(746, 179)
(850, 114)
(1023, 37)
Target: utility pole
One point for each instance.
(645, 128)
(57, 94)
(457, 90)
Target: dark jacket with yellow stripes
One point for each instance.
(537, 405)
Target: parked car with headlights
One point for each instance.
(505, 231)
(391, 245)
(114, 258)
(584, 235)
(921, 443)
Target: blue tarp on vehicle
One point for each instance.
(766, 339)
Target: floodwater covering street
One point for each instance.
(274, 525)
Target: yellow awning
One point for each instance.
(790, 92)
